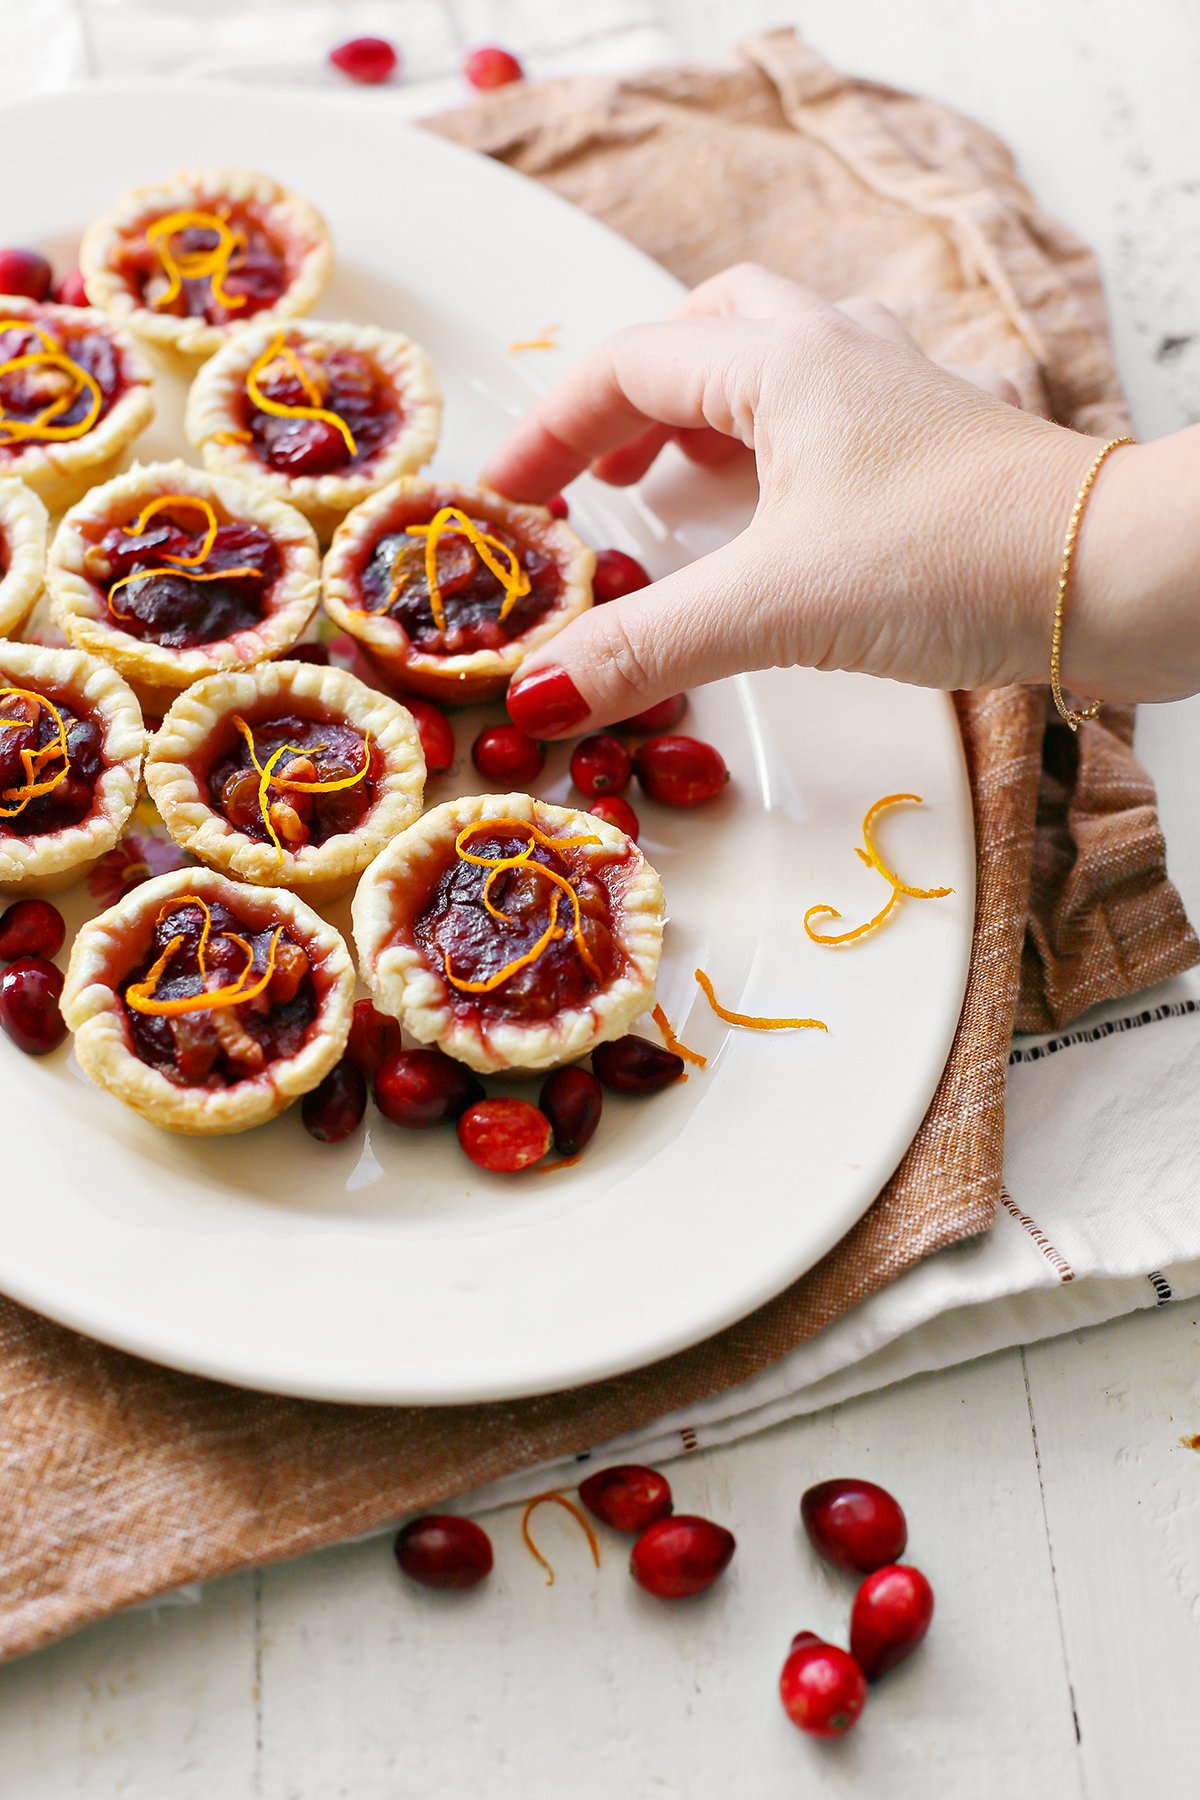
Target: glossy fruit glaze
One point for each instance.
(258, 272)
(70, 802)
(346, 382)
(170, 610)
(329, 751)
(27, 392)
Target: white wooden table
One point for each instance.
(1051, 1499)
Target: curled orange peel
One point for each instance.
(279, 409)
(41, 426)
(268, 779)
(871, 857)
(454, 521)
(567, 1506)
(751, 1021)
(139, 995)
(498, 865)
(195, 265)
(32, 788)
(676, 1044)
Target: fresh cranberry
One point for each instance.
(663, 717)
(680, 771)
(615, 811)
(31, 928)
(419, 1088)
(436, 734)
(70, 290)
(490, 67)
(369, 60)
(571, 1099)
(627, 1498)
(505, 755)
(854, 1524)
(633, 1065)
(505, 1136)
(822, 1687)
(26, 273)
(557, 507)
(616, 575)
(30, 990)
(891, 1613)
(680, 1556)
(601, 765)
(334, 1111)
(444, 1551)
(310, 653)
(373, 1038)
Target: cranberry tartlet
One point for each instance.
(74, 394)
(450, 588)
(289, 775)
(23, 530)
(320, 415)
(208, 1006)
(171, 574)
(71, 744)
(185, 261)
(511, 933)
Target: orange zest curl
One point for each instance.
(749, 1020)
(673, 1043)
(846, 937)
(184, 574)
(546, 339)
(33, 787)
(509, 573)
(568, 1506)
(497, 865)
(15, 430)
(278, 350)
(181, 503)
(139, 995)
(268, 779)
(230, 437)
(871, 857)
(195, 265)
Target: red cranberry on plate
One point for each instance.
(633, 1065)
(70, 290)
(443, 1551)
(615, 811)
(505, 1136)
(333, 1111)
(503, 754)
(26, 273)
(368, 60)
(436, 734)
(491, 67)
(664, 716)
(30, 990)
(628, 1497)
(680, 1556)
(373, 1038)
(558, 507)
(680, 771)
(601, 764)
(822, 1688)
(572, 1100)
(31, 928)
(616, 575)
(420, 1088)
(892, 1612)
(854, 1524)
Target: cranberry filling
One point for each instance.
(257, 271)
(455, 921)
(72, 800)
(171, 610)
(335, 752)
(471, 595)
(348, 384)
(215, 1048)
(24, 393)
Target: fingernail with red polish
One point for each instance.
(546, 702)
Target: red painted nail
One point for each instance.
(546, 703)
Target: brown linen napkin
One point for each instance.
(123, 1479)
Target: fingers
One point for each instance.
(747, 291)
(709, 449)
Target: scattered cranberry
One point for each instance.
(616, 575)
(615, 811)
(505, 1136)
(601, 765)
(557, 507)
(822, 1687)
(663, 717)
(490, 67)
(368, 60)
(633, 1065)
(436, 734)
(571, 1099)
(503, 753)
(891, 1613)
(70, 290)
(680, 1556)
(334, 1111)
(419, 1088)
(30, 990)
(444, 1551)
(310, 653)
(854, 1524)
(373, 1038)
(627, 1498)
(680, 771)
(31, 928)
(26, 273)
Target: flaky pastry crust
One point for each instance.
(24, 528)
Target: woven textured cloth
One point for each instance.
(122, 1479)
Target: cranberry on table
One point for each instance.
(26, 273)
(616, 574)
(368, 60)
(629, 1497)
(421, 1088)
(557, 507)
(443, 1551)
(31, 928)
(822, 1687)
(334, 1111)
(317, 654)
(680, 771)
(891, 1613)
(70, 290)
(505, 1136)
(665, 716)
(503, 753)
(854, 1524)
(601, 765)
(30, 990)
(436, 734)
(615, 811)
(373, 1038)
(633, 1065)
(572, 1101)
(680, 1556)
(491, 67)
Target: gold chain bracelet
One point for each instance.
(1075, 719)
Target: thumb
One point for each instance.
(617, 659)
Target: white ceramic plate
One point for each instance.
(389, 1269)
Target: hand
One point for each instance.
(909, 521)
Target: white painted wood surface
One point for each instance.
(1051, 1499)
